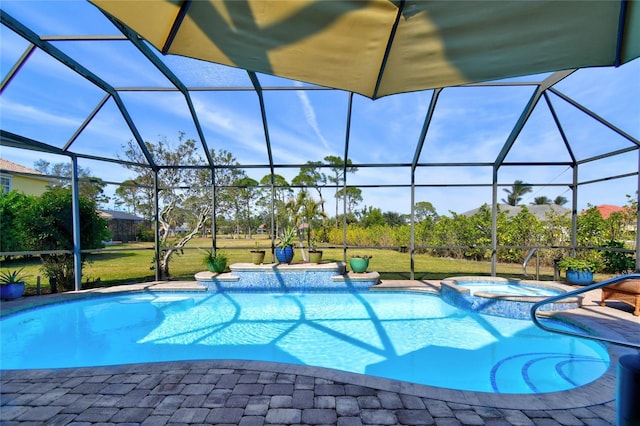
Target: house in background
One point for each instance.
(124, 227)
(606, 210)
(22, 179)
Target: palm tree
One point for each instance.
(541, 201)
(304, 209)
(560, 200)
(518, 189)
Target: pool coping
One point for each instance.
(600, 391)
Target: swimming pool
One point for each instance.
(405, 336)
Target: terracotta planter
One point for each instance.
(315, 256)
(257, 257)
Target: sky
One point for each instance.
(48, 102)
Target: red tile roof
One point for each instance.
(10, 166)
(606, 210)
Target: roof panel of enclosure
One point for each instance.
(380, 47)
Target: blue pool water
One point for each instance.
(406, 336)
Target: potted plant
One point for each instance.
(215, 261)
(12, 284)
(579, 271)
(315, 255)
(257, 255)
(359, 263)
(284, 248)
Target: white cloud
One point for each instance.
(31, 114)
(310, 114)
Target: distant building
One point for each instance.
(22, 179)
(124, 227)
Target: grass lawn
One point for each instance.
(132, 263)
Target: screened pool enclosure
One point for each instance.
(445, 102)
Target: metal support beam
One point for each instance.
(18, 65)
(574, 211)
(412, 237)
(164, 69)
(607, 155)
(526, 112)
(86, 122)
(18, 141)
(494, 221)
(596, 117)
(75, 212)
(563, 135)
(425, 128)
(622, 18)
(344, 177)
(265, 125)
(621, 176)
(68, 61)
(511, 139)
(263, 114)
(273, 220)
(414, 164)
(387, 51)
(638, 219)
(182, 12)
(214, 211)
(156, 224)
(134, 130)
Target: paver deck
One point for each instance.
(248, 393)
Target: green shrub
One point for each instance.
(617, 262)
(575, 264)
(145, 235)
(12, 234)
(48, 225)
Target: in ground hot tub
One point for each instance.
(504, 297)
